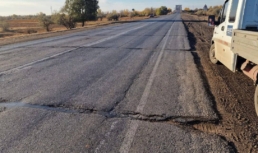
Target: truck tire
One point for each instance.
(212, 55)
(256, 100)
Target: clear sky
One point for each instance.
(32, 7)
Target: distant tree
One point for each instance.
(164, 10)
(4, 26)
(63, 19)
(141, 13)
(158, 11)
(14, 16)
(136, 13)
(125, 13)
(113, 16)
(214, 10)
(131, 15)
(45, 21)
(121, 13)
(100, 14)
(81, 10)
(147, 11)
(169, 10)
(200, 12)
(187, 9)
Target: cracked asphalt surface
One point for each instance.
(125, 88)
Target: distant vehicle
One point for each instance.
(151, 16)
(235, 39)
(178, 8)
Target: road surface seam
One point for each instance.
(107, 114)
(136, 76)
(132, 81)
(192, 123)
(68, 51)
(133, 126)
(59, 54)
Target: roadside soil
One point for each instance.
(232, 93)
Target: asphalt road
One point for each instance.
(126, 88)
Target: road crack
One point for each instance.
(2, 100)
(110, 114)
(191, 123)
(132, 81)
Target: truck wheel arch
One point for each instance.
(256, 100)
(212, 54)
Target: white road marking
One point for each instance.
(103, 141)
(38, 61)
(126, 145)
(62, 53)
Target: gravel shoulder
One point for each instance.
(232, 93)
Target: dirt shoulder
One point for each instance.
(232, 93)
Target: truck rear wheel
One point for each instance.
(212, 55)
(256, 100)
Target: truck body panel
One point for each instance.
(245, 44)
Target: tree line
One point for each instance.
(75, 11)
(212, 10)
(88, 10)
(72, 12)
(115, 15)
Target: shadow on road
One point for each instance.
(197, 60)
(192, 39)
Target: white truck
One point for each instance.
(235, 39)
